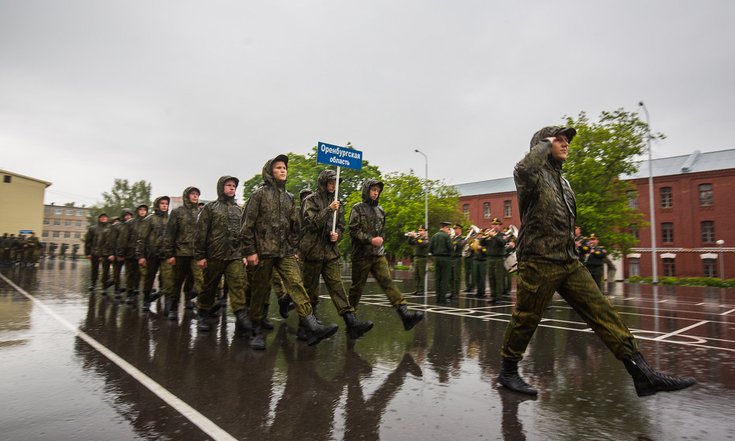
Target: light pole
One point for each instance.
(720, 243)
(426, 212)
(650, 196)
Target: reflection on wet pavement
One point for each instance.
(434, 382)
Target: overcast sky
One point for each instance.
(179, 93)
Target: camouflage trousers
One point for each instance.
(469, 273)
(152, 267)
(96, 261)
(378, 267)
(186, 268)
(235, 279)
(419, 273)
(537, 283)
(329, 270)
(290, 272)
(496, 275)
(442, 274)
(132, 275)
(456, 280)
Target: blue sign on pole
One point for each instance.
(341, 157)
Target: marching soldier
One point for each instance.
(457, 248)
(441, 249)
(93, 251)
(420, 242)
(151, 253)
(126, 243)
(117, 261)
(367, 224)
(596, 256)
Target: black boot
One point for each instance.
(509, 378)
(204, 319)
(648, 381)
(283, 306)
(243, 325)
(265, 323)
(356, 328)
(301, 332)
(410, 319)
(188, 304)
(130, 300)
(172, 309)
(146, 301)
(258, 340)
(317, 331)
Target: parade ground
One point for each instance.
(85, 366)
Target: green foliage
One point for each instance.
(687, 281)
(303, 172)
(122, 195)
(403, 202)
(598, 155)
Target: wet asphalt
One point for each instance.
(435, 382)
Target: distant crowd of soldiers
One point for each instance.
(22, 249)
(221, 251)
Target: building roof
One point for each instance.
(502, 185)
(8, 172)
(692, 163)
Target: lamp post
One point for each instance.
(650, 195)
(720, 243)
(426, 212)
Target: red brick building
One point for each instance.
(693, 197)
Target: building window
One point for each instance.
(634, 267)
(667, 232)
(58, 211)
(708, 231)
(669, 268)
(70, 212)
(486, 210)
(80, 212)
(633, 229)
(46, 221)
(79, 223)
(77, 235)
(67, 234)
(705, 195)
(7, 179)
(45, 234)
(667, 198)
(55, 234)
(507, 208)
(466, 210)
(632, 197)
(67, 222)
(57, 221)
(710, 267)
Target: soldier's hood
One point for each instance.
(221, 187)
(125, 211)
(366, 191)
(324, 177)
(268, 178)
(188, 190)
(156, 203)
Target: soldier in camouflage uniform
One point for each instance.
(320, 252)
(179, 244)
(595, 259)
(457, 248)
(271, 231)
(117, 261)
(548, 262)
(218, 251)
(126, 243)
(151, 253)
(441, 248)
(93, 251)
(420, 243)
(367, 225)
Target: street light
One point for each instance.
(650, 195)
(426, 212)
(720, 243)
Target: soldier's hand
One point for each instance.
(202, 263)
(142, 262)
(253, 259)
(333, 236)
(110, 258)
(334, 206)
(245, 261)
(376, 241)
(171, 261)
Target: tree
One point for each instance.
(598, 155)
(403, 202)
(303, 172)
(122, 195)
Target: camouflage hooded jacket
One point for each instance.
(271, 224)
(152, 233)
(128, 237)
(317, 219)
(547, 204)
(181, 227)
(367, 220)
(93, 239)
(218, 227)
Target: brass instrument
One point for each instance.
(474, 230)
(411, 234)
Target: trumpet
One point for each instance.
(411, 234)
(474, 230)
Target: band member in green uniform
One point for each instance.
(441, 249)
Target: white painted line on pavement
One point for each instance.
(728, 312)
(670, 334)
(172, 400)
